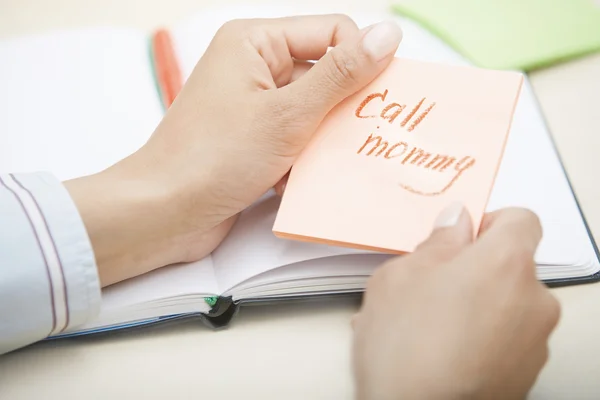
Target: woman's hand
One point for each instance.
(244, 115)
(457, 319)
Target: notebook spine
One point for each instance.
(221, 313)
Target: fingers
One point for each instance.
(308, 37)
(508, 239)
(506, 215)
(282, 41)
(515, 228)
(356, 58)
(546, 311)
(453, 231)
(345, 69)
(300, 68)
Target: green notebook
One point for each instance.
(511, 34)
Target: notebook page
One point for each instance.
(251, 243)
(175, 288)
(338, 268)
(541, 186)
(75, 102)
(164, 283)
(531, 176)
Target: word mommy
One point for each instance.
(409, 155)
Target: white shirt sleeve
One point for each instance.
(48, 276)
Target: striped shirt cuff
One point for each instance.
(62, 241)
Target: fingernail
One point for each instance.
(449, 216)
(382, 39)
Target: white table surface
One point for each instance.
(292, 351)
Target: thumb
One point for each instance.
(452, 232)
(347, 68)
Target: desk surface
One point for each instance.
(292, 351)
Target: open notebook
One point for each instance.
(74, 102)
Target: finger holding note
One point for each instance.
(457, 318)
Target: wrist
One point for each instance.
(133, 221)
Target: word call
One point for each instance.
(393, 110)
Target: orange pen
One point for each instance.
(166, 67)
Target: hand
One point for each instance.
(244, 115)
(457, 319)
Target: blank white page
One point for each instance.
(174, 289)
(177, 286)
(532, 176)
(75, 102)
(251, 248)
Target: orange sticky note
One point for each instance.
(386, 161)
